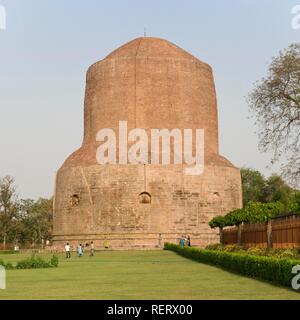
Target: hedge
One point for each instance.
(34, 262)
(9, 252)
(275, 270)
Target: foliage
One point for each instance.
(25, 220)
(217, 222)
(257, 188)
(9, 252)
(262, 212)
(278, 252)
(254, 212)
(277, 190)
(215, 246)
(275, 103)
(233, 248)
(34, 262)
(9, 206)
(54, 261)
(294, 205)
(270, 269)
(36, 222)
(253, 184)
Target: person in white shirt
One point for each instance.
(68, 251)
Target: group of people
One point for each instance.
(185, 241)
(79, 249)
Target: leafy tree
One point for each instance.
(218, 222)
(253, 184)
(294, 205)
(9, 206)
(277, 190)
(254, 212)
(275, 103)
(37, 220)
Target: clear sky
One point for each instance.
(48, 46)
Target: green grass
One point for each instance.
(134, 275)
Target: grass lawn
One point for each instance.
(134, 275)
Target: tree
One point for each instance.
(277, 190)
(37, 220)
(254, 212)
(9, 206)
(218, 222)
(253, 184)
(294, 205)
(275, 103)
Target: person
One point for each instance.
(106, 244)
(188, 241)
(80, 250)
(160, 241)
(181, 242)
(92, 249)
(68, 250)
(16, 248)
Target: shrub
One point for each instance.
(54, 261)
(214, 246)
(257, 251)
(233, 248)
(34, 262)
(294, 205)
(218, 222)
(278, 253)
(9, 252)
(9, 266)
(270, 269)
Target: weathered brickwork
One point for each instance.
(150, 83)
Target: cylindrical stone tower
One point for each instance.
(152, 84)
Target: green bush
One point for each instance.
(9, 252)
(270, 269)
(54, 261)
(278, 253)
(233, 248)
(34, 262)
(254, 212)
(257, 251)
(294, 205)
(215, 246)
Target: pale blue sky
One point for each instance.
(48, 46)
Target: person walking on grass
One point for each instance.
(92, 249)
(68, 250)
(188, 241)
(80, 250)
(181, 242)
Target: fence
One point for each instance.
(285, 233)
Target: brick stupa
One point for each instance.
(150, 83)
